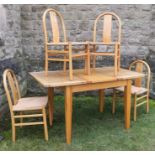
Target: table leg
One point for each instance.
(68, 113)
(101, 100)
(127, 104)
(51, 104)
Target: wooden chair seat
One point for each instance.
(103, 43)
(79, 54)
(18, 105)
(139, 89)
(103, 53)
(30, 103)
(57, 37)
(111, 37)
(67, 43)
(134, 90)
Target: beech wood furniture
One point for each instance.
(56, 37)
(21, 108)
(100, 79)
(111, 36)
(140, 88)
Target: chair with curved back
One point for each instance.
(110, 20)
(140, 88)
(58, 38)
(23, 108)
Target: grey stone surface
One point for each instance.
(11, 55)
(22, 41)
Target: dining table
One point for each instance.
(99, 79)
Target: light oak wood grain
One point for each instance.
(18, 105)
(108, 18)
(66, 53)
(139, 93)
(60, 79)
(99, 79)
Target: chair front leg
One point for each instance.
(13, 127)
(65, 63)
(116, 60)
(94, 57)
(87, 59)
(46, 61)
(70, 62)
(45, 124)
(13, 133)
(94, 61)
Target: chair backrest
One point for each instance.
(142, 67)
(56, 23)
(11, 87)
(109, 19)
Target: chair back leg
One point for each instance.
(135, 108)
(147, 103)
(21, 119)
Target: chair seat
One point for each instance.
(134, 90)
(103, 43)
(60, 53)
(30, 103)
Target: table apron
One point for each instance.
(99, 85)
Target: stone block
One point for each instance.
(22, 44)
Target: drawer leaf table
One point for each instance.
(99, 79)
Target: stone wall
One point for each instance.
(151, 56)
(21, 44)
(11, 53)
(137, 35)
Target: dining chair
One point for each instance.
(55, 36)
(109, 35)
(140, 88)
(23, 108)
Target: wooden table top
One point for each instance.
(105, 74)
